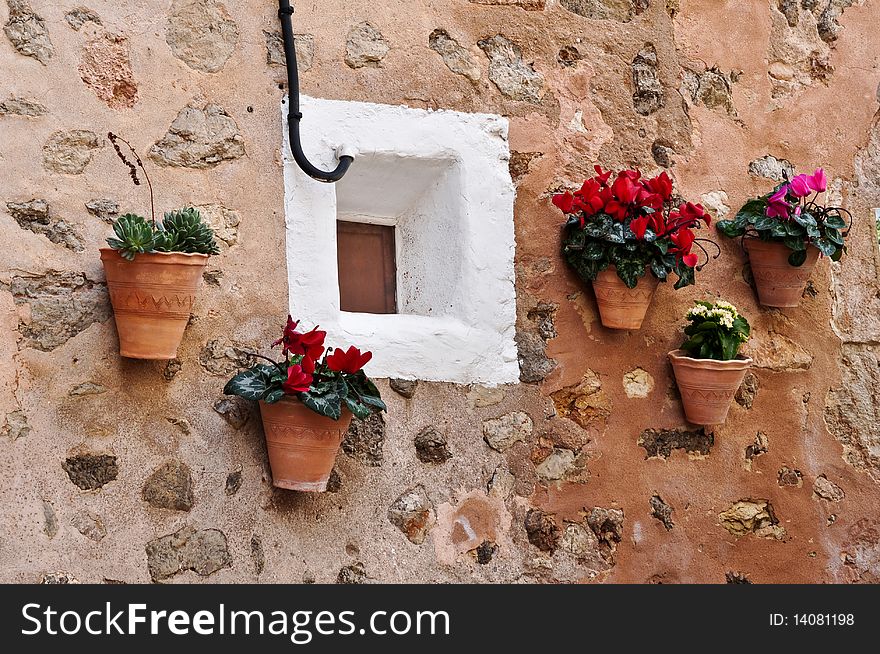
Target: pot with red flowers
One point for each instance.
(307, 401)
(628, 234)
(784, 232)
(708, 367)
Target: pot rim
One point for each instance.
(296, 400)
(741, 362)
(196, 256)
(750, 241)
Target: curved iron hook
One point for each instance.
(294, 116)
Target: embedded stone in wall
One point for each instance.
(662, 152)
(170, 486)
(199, 138)
(638, 383)
(556, 465)
(16, 425)
(825, 489)
(779, 353)
(61, 306)
(257, 554)
(607, 524)
(91, 471)
(568, 56)
(515, 78)
(457, 58)
(233, 482)
(585, 403)
(485, 551)
(404, 387)
(789, 477)
(711, 88)
(412, 514)
(769, 167)
(789, 9)
(234, 411)
(222, 358)
(501, 433)
(89, 525)
(34, 215)
(87, 388)
(851, 412)
(431, 446)
(352, 574)
(364, 440)
(661, 511)
(79, 16)
(748, 390)
(827, 25)
(103, 208)
(736, 578)
(71, 151)
(482, 396)
(27, 32)
(105, 67)
(752, 517)
(19, 106)
(203, 551)
(528, 5)
(717, 203)
(59, 578)
(365, 46)
(531, 340)
(647, 89)
(305, 50)
(50, 521)
(223, 221)
(619, 10)
(660, 442)
(520, 164)
(756, 449)
(202, 34)
(542, 530)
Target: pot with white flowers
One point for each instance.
(708, 367)
(628, 234)
(784, 232)
(307, 401)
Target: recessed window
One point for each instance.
(411, 254)
(366, 260)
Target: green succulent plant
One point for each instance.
(185, 231)
(134, 235)
(180, 231)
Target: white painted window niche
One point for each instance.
(441, 179)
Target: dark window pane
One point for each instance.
(367, 267)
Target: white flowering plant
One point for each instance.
(716, 331)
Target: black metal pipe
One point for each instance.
(285, 11)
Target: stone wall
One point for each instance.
(124, 471)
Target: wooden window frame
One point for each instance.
(354, 296)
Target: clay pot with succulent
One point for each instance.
(153, 270)
(708, 367)
(307, 401)
(784, 232)
(627, 235)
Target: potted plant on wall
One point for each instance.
(784, 232)
(307, 403)
(708, 367)
(153, 271)
(627, 235)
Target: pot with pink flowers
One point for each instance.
(307, 401)
(784, 232)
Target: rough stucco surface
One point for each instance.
(116, 470)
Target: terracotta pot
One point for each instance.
(152, 299)
(621, 307)
(302, 444)
(779, 283)
(707, 386)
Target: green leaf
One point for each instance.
(729, 346)
(185, 231)
(779, 230)
(685, 275)
(834, 236)
(594, 250)
(798, 257)
(327, 398)
(805, 218)
(359, 410)
(750, 212)
(796, 244)
(835, 221)
(764, 223)
(838, 254)
(251, 384)
(274, 396)
(134, 235)
(630, 270)
(575, 241)
(825, 246)
(659, 269)
(730, 228)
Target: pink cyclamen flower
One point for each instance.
(777, 207)
(817, 181)
(800, 186)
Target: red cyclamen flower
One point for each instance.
(310, 344)
(299, 377)
(777, 205)
(350, 360)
